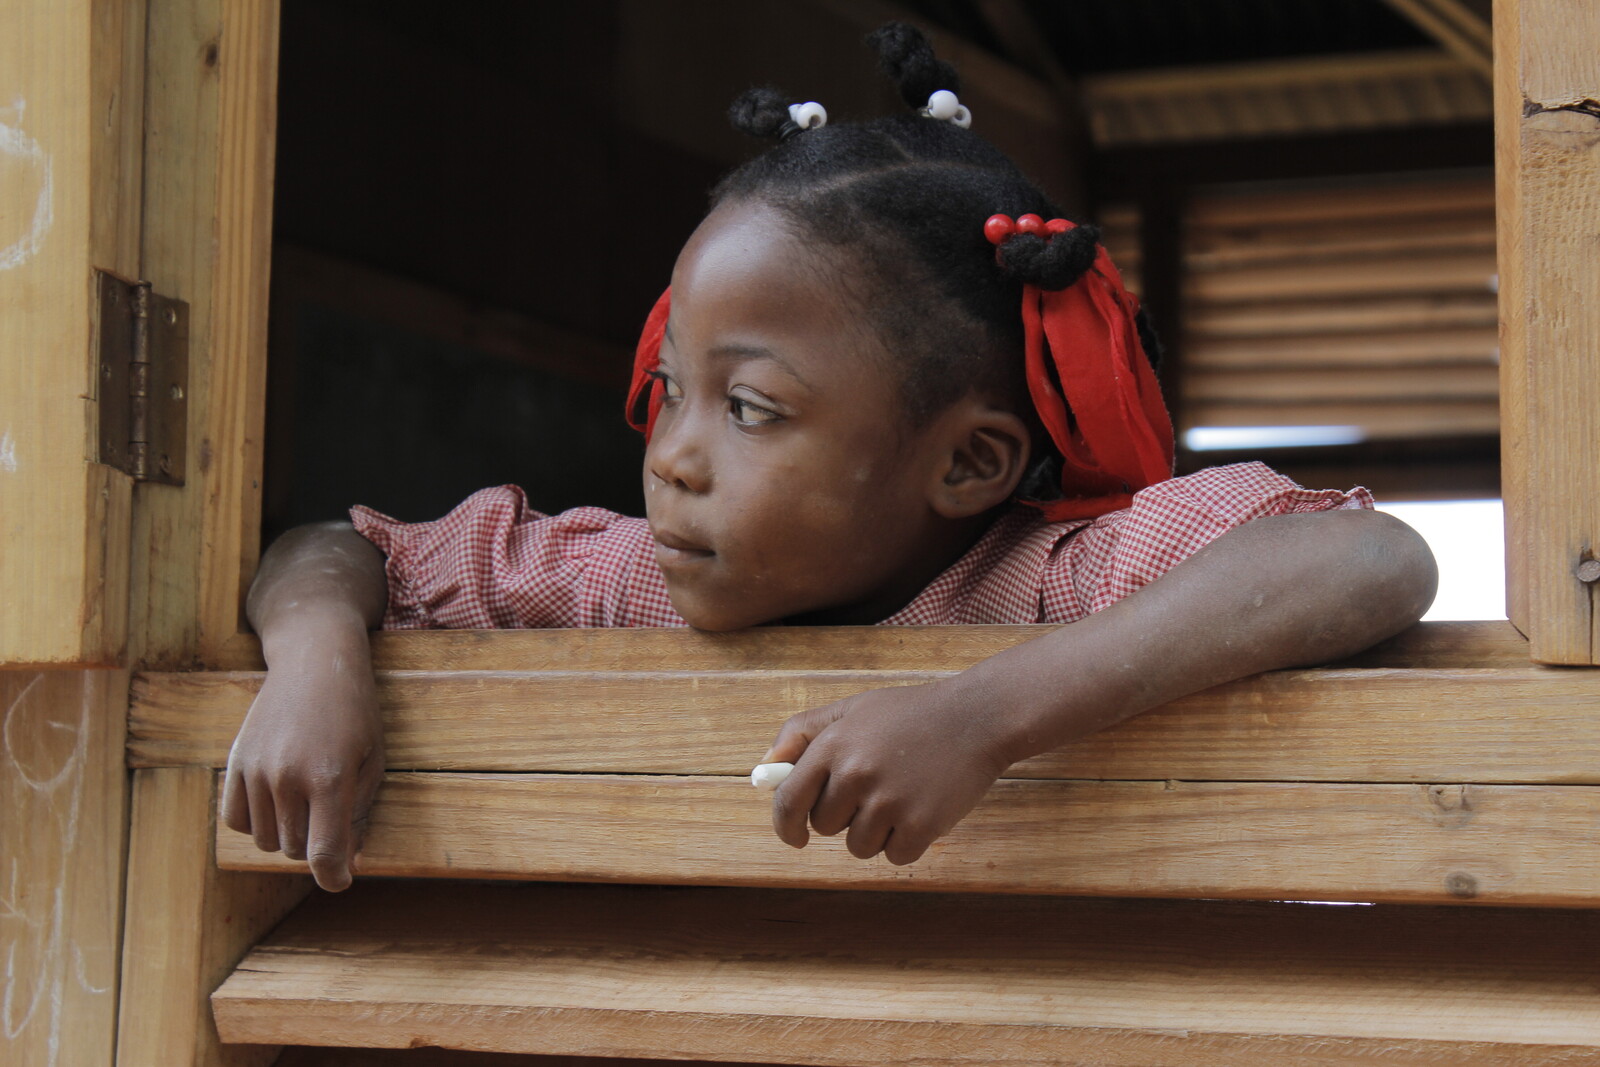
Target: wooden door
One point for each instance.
(136, 139)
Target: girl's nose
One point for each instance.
(676, 456)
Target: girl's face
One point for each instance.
(782, 480)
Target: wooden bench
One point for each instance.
(1438, 769)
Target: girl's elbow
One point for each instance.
(1399, 565)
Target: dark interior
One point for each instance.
(477, 203)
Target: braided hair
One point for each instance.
(908, 196)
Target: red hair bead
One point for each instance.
(998, 228)
(1030, 224)
(1055, 226)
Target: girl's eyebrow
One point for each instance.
(747, 352)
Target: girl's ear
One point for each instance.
(983, 453)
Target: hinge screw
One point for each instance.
(1589, 570)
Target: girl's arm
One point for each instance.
(309, 757)
(901, 766)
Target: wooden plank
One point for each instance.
(188, 925)
(1462, 33)
(1301, 317)
(71, 77)
(208, 214)
(63, 799)
(1484, 725)
(851, 978)
(1477, 344)
(310, 1056)
(1394, 202)
(1386, 385)
(862, 648)
(1547, 81)
(1413, 843)
(1467, 272)
(1256, 244)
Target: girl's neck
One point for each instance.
(946, 543)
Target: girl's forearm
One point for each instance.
(318, 586)
(1278, 592)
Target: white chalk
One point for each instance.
(770, 776)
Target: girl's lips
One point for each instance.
(673, 549)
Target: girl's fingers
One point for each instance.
(235, 801)
(329, 845)
(905, 845)
(834, 809)
(868, 833)
(793, 801)
(263, 820)
(802, 729)
(291, 808)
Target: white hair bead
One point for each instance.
(808, 116)
(943, 105)
(962, 117)
(769, 776)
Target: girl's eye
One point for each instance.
(669, 386)
(749, 414)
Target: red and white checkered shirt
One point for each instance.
(494, 563)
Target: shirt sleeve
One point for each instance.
(495, 563)
(1167, 523)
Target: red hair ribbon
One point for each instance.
(645, 392)
(1091, 384)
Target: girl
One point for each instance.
(848, 421)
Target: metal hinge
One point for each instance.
(143, 352)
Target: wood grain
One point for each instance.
(1547, 82)
(1426, 645)
(208, 210)
(71, 79)
(1407, 348)
(63, 800)
(851, 978)
(188, 924)
(1510, 725)
(1445, 843)
(1471, 271)
(1375, 385)
(1304, 317)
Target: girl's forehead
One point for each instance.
(746, 277)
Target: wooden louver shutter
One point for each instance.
(1359, 305)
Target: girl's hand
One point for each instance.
(899, 767)
(309, 757)
(306, 765)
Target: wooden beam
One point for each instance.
(850, 978)
(1463, 32)
(1455, 272)
(1346, 316)
(1409, 348)
(1378, 384)
(71, 93)
(1428, 645)
(210, 139)
(188, 924)
(1283, 97)
(1547, 82)
(1444, 843)
(1484, 725)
